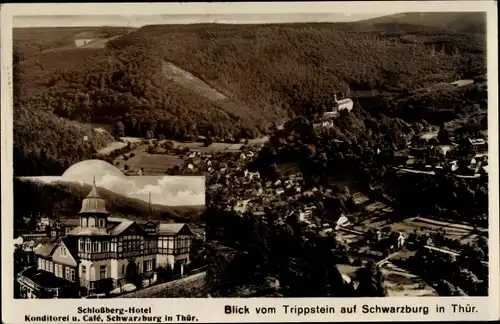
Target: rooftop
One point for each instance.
(42, 278)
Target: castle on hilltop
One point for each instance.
(338, 106)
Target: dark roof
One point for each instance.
(44, 278)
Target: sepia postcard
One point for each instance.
(249, 162)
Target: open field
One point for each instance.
(408, 226)
(132, 139)
(100, 43)
(153, 163)
(400, 282)
(189, 81)
(111, 147)
(214, 147)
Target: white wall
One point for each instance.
(116, 268)
(93, 273)
(161, 260)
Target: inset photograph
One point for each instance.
(95, 233)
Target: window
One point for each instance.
(148, 265)
(39, 263)
(84, 272)
(88, 246)
(96, 247)
(102, 272)
(101, 222)
(67, 274)
(123, 269)
(182, 244)
(105, 246)
(72, 275)
(84, 222)
(81, 246)
(43, 264)
(91, 222)
(51, 266)
(63, 251)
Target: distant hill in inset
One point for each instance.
(64, 199)
(459, 22)
(35, 40)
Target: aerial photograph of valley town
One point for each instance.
(340, 156)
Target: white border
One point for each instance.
(212, 310)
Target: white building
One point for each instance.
(339, 105)
(79, 42)
(104, 252)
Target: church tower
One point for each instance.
(93, 212)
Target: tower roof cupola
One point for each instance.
(93, 203)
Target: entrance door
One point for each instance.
(179, 266)
(131, 272)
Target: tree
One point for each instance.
(443, 135)
(370, 281)
(164, 273)
(208, 141)
(119, 129)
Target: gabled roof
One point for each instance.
(174, 229)
(45, 250)
(121, 227)
(71, 244)
(69, 258)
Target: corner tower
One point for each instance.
(93, 212)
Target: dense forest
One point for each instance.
(267, 73)
(45, 144)
(465, 22)
(64, 199)
(303, 263)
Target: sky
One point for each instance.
(138, 21)
(165, 190)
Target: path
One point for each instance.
(446, 251)
(387, 258)
(448, 224)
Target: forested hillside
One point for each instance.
(32, 41)
(465, 22)
(64, 199)
(267, 72)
